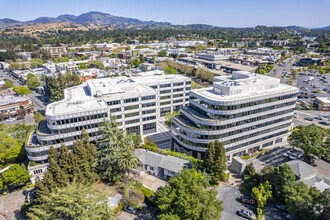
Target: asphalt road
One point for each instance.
(303, 114)
(33, 96)
(229, 195)
(280, 70)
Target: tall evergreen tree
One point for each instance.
(52, 153)
(59, 176)
(216, 161)
(113, 144)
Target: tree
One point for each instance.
(43, 77)
(311, 140)
(110, 148)
(74, 201)
(261, 194)
(169, 117)
(8, 84)
(185, 197)
(113, 55)
(136, 62)
(216, 161)
(96, 64)
(128, 161)
(162, 53)
(22, 90)
(38, 117)
(281, 178)
(32, 82)
(170, 70)
(56, 85)
(128, 48)
(15, 175)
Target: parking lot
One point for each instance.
(231, 205)
(311, 85)
(273, 157)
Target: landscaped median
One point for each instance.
(245, 157)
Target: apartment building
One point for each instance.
(137, 102)
(245, 111)
(55, 52)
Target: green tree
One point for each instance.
(169, 116)
(96, 64)
(43, 77)
(185, 197)
(74, 201)
(170, 70)
(56, 85)
(113, 55)
(311, 140)
(22, 90)
(110, 148)
(8, 84)
(162, 53)
(33, 82)
(136, 62)
(38, 117)
(261, 194)
(216, 161)
(15, 175)
(281, 178)
(127, 161)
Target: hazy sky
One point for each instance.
(226, 13)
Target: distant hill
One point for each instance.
(92, 17)
(327, 28)
(116, 22)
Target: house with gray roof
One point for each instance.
(309, 175)
(162, 166)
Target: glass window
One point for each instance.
(132, 114)
(145, 105)
(116, 102)
(165, 85)
(165, 91)
(150, 97)
(131, 100)
(131, 107)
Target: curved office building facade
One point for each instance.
(246, 112)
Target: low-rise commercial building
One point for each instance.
(160, 165)
(323, 103)
(137, 103)
(12, 105)
(245, 111)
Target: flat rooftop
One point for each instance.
(92, 95)
(242, 85)
(11, 99)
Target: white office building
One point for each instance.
(245, 111)
(137, 103)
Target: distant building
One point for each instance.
(12, 106)
(66, 67)
(323, 103)
(307, 61)
(55, 52)
(160, 165)
(136, 42)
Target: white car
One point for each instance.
(295, 156)
(246, 214)
(295, 115)
(10, 120)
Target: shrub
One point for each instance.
(118, 208)
(148, 193)
(24, 187)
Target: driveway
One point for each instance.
(11, 204)
(229, 195)
(152, 182)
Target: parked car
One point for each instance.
(309, 119)
(288, 153)
(295, 115)
(20, 118)
(10, 120)
(318, 118)
(324, 123)
(289, 217)
(247, 200)
(280, 207)
(294, 156)
(246, 214)
(130, 209)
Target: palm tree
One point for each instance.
(128, 161)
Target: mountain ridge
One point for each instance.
(104, 19)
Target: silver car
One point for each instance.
(246, 214)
